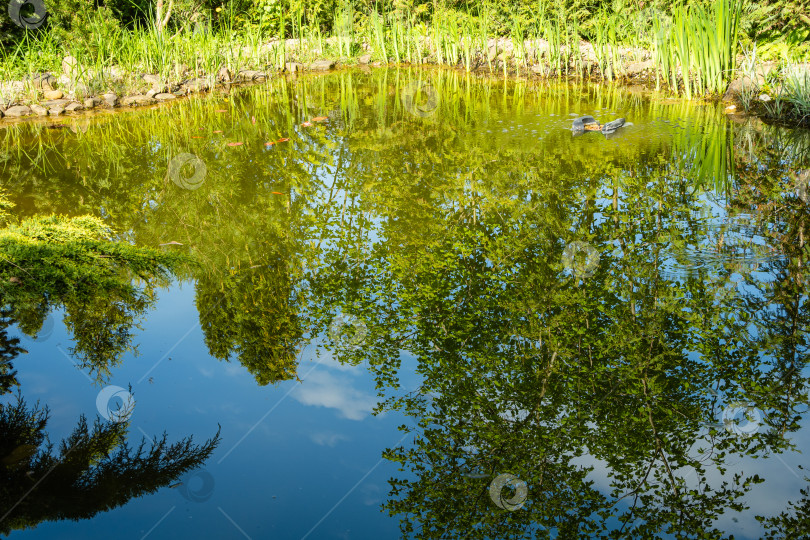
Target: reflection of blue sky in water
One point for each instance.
(293, 467)
(317, 444)
(329, 388)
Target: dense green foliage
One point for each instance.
(783, 22)
(697, 47)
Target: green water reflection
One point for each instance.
(442, 225)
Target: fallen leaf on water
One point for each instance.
(172, 243)
(276, 193)
(253, 119)
(219, 131)
(196, 137)
(271, 143)
(221, 110)
(282, 140)
(320, 118)
(15, 279)
(235, 144)
(306, 124)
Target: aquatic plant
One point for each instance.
(698, 48)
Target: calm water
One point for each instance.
(425, 284)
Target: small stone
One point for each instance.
(44, 82)
(538, 69)
(223, 75)
(54, 94)
(70, 66)
(56, 103)
(731, 107)
(164, 97)
(151, 93)
(765, 98)
(110, 99)
(131, 101)
(39, 110)
(196, 85)
(247, 75)
(17, 111)
(74, 106)
(739, 86)
(111, 74)
(89, 103)
(152, 79)
(634, 68)
(322, 65)
(81, 90)
(56, 111)
(365, 59)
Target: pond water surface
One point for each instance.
(414, 304)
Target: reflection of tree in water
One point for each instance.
(529, 373)
(252, 314)
(51, 263)
(93, 470)
(793, 523)
(68, 263)
(9, 350)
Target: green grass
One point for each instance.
(696, 50)
(693, 48)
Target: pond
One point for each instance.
(405, 303)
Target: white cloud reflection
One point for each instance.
(327, 438)
(323, 389)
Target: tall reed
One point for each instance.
(700, 46)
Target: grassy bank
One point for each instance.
(692, 51)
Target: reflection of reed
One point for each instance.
(114, 153)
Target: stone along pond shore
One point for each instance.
(50, 94)
(78, 89)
